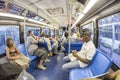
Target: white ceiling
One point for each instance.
(55, 11)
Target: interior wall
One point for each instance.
(111, 9)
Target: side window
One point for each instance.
(52, 32)
(35, 30)
(109, 36)
(8, 31)
(45, 30)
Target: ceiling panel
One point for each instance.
(55, 11)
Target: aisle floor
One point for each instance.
(53, 71)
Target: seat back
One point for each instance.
(73, 46)
(22, 48)
(43, 45)
(100, 63)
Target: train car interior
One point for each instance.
(48, 36)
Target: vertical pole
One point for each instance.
(69, 21)
(24, 34)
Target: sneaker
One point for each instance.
(41, 67)
(47, 60)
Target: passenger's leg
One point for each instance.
(43, 55)
(54, 49)
(70, 65)
(66, 58)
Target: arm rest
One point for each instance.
(96, 77)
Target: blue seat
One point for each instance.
(73, 46)
(99, 65)
(43, 45)
(22, 49)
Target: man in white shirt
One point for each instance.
(84, 56)
(32, 47)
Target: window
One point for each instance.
(107, 31)
(45, 30)
(11, 31)
(60, 32)
(36, 31)
(52, 32)
(109, 36)
(117, 32)
(30, 15)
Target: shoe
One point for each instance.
(47, 60)
(41, 67)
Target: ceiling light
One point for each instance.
(21, 17)
(11, 15)
(89, 5)
(80, 17)
(31, 20)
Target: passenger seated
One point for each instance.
(65, 39)
(32, 47)
(45, 38)
(55, 45)
(51, 48)
(13, 54)
(75, 35)
(84, 56)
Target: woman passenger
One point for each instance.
(13, 54)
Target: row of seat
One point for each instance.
(22, 49)
(98, 66)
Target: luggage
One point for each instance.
(12, 72)
(25, 76)
(9, 71)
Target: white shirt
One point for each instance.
(31, 46)
(48, 43)
(87, 52)
(47, 40)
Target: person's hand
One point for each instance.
(75, 53)
(10, 58)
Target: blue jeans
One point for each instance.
(70, 64)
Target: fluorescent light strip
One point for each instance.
(80, 17)
(11, 15)
(90, 4)
(21, 17)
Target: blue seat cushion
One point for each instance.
(22, 49)
(79, 73)
(32, 57)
